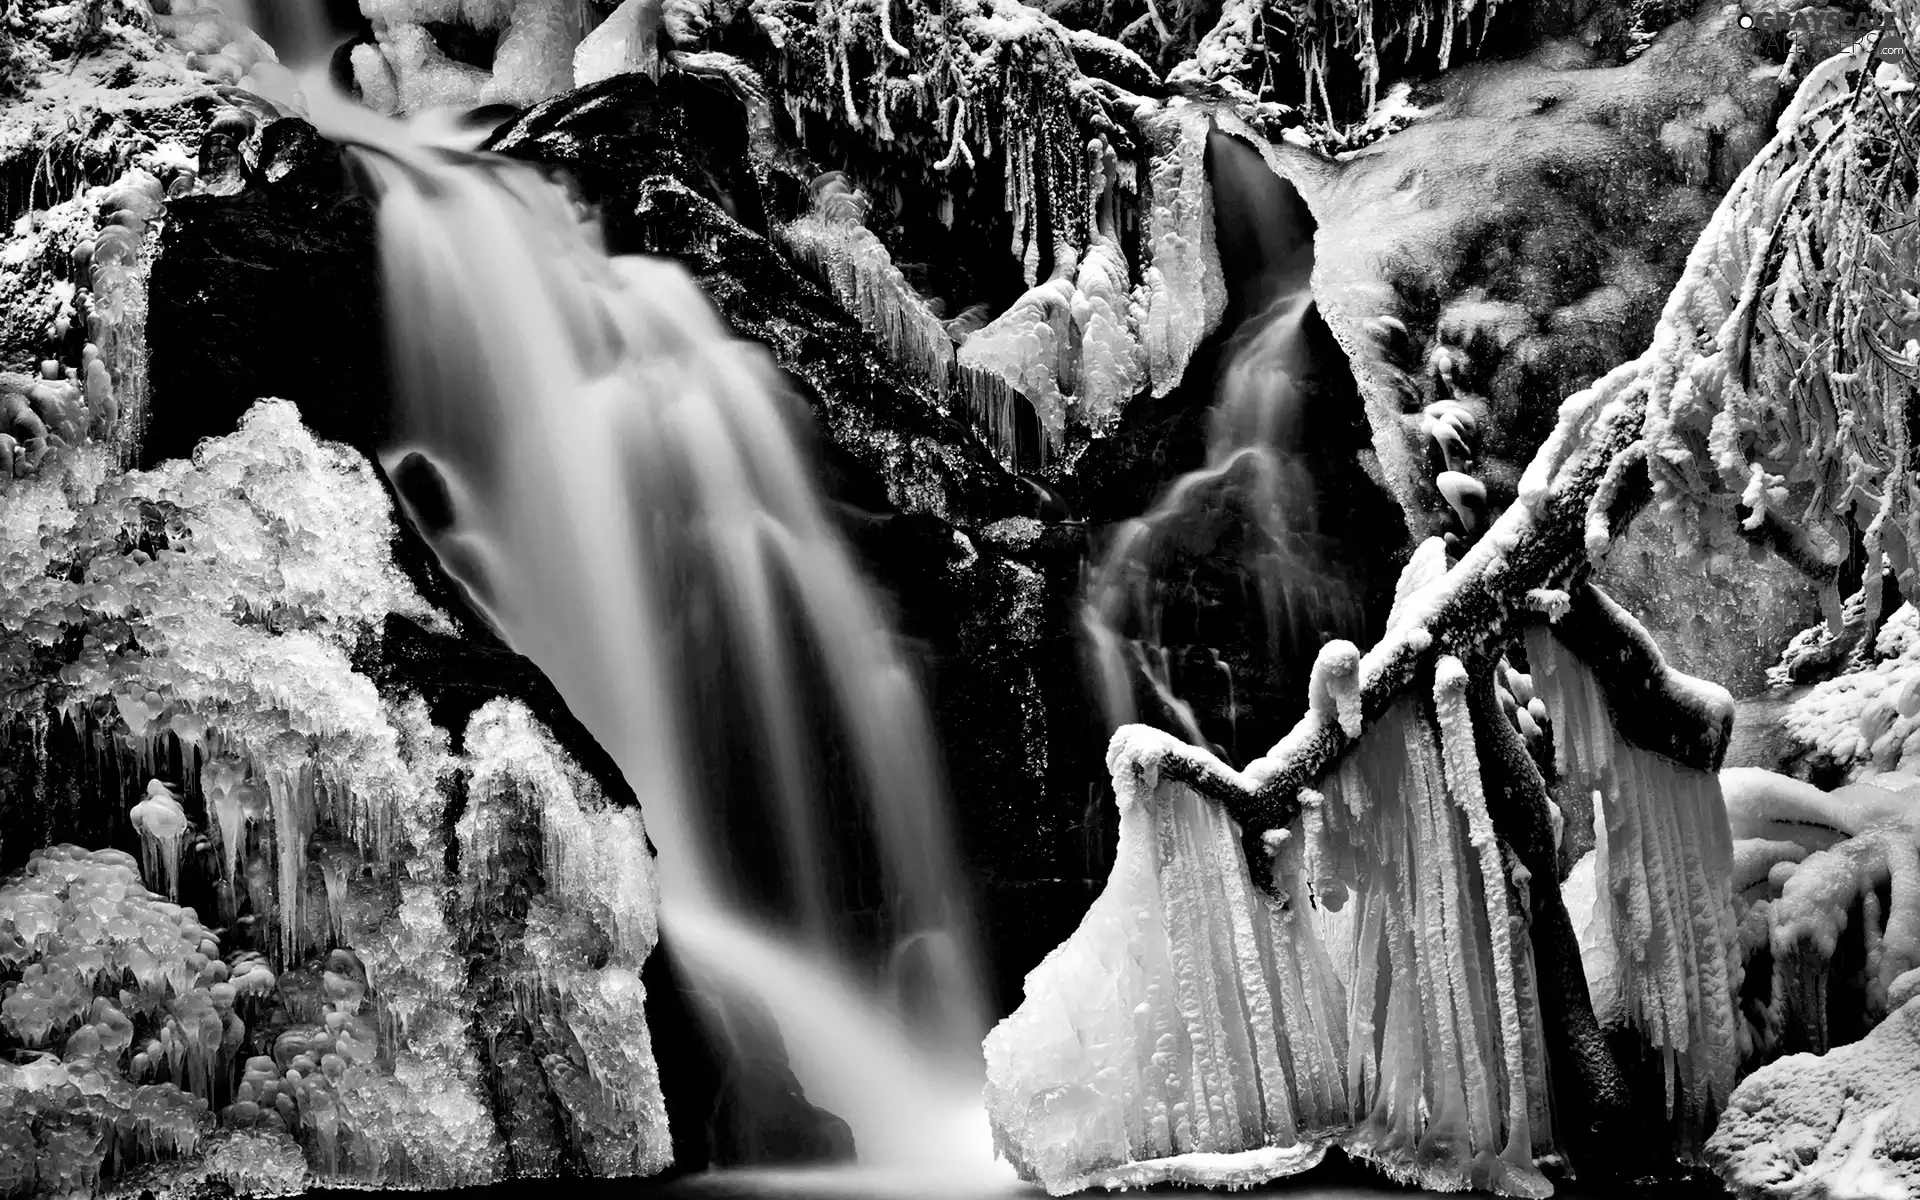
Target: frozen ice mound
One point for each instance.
(1829, 899)
(404, 70)
(1196, 1028)
(95, 952)
(1846, 1123)
(197, 626)
(1868, 720)
(628, 40)
(587, 935)
(1189, 1029)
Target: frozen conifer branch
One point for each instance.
(1796, 425)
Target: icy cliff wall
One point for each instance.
(183, 657)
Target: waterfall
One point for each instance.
(618, 486)
(1247, 519)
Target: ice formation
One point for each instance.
(586, 936)
(1083, 342)
(93, 953)
(844, 254)
(1194, 1014)
(103, 236)
(1845, 1123)
(204, 617)
(628, 40)
(1868, 720)
(1829, 886)
(1663, 915)
(999, 79)
(1190, 1015)
(404, 70)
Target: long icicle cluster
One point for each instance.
(1586, 481)
(1193, 1030)
(1664, 881)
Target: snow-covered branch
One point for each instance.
(1711, 438)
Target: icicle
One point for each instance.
(163, 835)
(1463, 781)
(1663, 878)
(221, 782)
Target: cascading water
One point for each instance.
(616, 484)
(1252, 505)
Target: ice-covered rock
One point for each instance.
(212, 612)
(404, 69)
(1867, 720)
(628, 40)
(587, 935)
(1846, 1123)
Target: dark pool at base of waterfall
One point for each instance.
(1336, 1179)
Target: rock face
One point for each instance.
(666, 164)
(1846, 1123)
(271, 292)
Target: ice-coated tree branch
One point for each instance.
(1683, 417)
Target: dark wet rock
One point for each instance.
(270, 292)
(294, 157)
(455, 675)
(667, 166)
(732, 1098)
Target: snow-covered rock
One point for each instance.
(1842, 1124)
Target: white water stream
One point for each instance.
(629, 508)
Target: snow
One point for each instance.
(1867, 721)
(1845, 1123)
(1744, 414)
(1814, 905)
(1763, 803)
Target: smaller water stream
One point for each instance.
(1250, 510)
